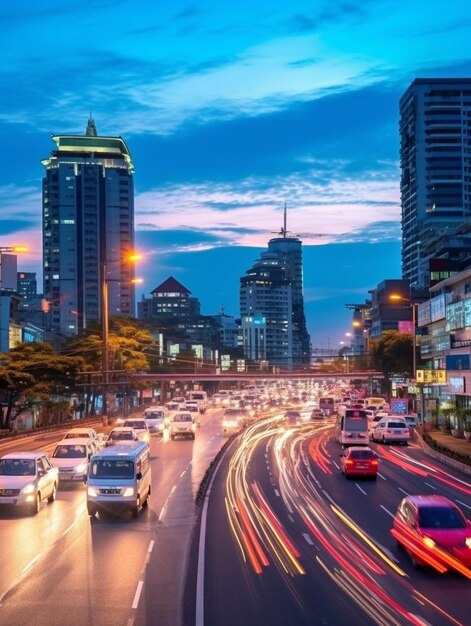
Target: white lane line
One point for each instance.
(337, 466)
(404, 492)
(137, 595)
(172, 490)
(31, 563)
(291, 518)
(308, 539)
(183, 474)
(463, 504)
(381, 476)
(162, 513)
(431, 486)
(361, 489)
(386, 510)
(277, 493)
(151, 546)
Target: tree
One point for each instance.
(130, 348)
(392, 354)
(32, 374)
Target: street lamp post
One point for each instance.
(106, 327)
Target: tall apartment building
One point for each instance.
(88, 229)
(435, 128)
(289, 250)
(266, 294)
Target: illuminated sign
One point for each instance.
(456, 384)
(431, 376)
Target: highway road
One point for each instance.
(60, 567)
(289, 540)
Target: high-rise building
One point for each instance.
(435, 127)
(289, 250)
(88, 229)
(27, 285)
(265, 293)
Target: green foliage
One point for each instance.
(392, 353)
(31, 374)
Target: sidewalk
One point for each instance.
(448, 449)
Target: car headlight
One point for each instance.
(429, 542)
(129, 491)
(29, 488)
(92, 491)
(81, 469)
(468, 542)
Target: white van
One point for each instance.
(119, 479)
(157, 418)
(201, 397)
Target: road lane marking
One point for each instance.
(386, 510)
(151, 546)
(431, 486)
(137, 595)
(308, 539)
(381, 476)
(463, 504)
(172, 490)
(277, 493)
(405, 492)
(361, 489)
(162, 513)
(183, 474)
(337, 466)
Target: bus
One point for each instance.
(327, 405)
(351, 428)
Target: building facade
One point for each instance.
(88, 229)
(265, 293)
(435, 155)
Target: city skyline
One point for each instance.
(227, 117)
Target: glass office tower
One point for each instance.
(88, 229)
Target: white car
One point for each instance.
(84, 433)
(157, 419)
(122, 435)
(182, 425)
(71, 456)
(390, 429)
(139, 425)
(26, 479)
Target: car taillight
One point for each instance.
(349, 462)
(374, 462)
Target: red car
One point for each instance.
(434, 532)
(359, 461)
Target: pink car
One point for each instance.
(434, 532)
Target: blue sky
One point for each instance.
(231, 109)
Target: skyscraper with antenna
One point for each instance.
(273, 288)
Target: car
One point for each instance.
(434, 532)
(183, 425)
(317, 414)
(122, 435)
(84, 433)
(359, 461)
(292, 417)
(71, 456)
(411, 421)
(390, 429)
(157, 419)
(372, 422)
(140, 426)
(26, 479)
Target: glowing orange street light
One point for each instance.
(394, 297)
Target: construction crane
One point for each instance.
(283, 232)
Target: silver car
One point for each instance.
(26, 479)
(390, 429)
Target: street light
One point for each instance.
(131, 258)
(397, 298)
